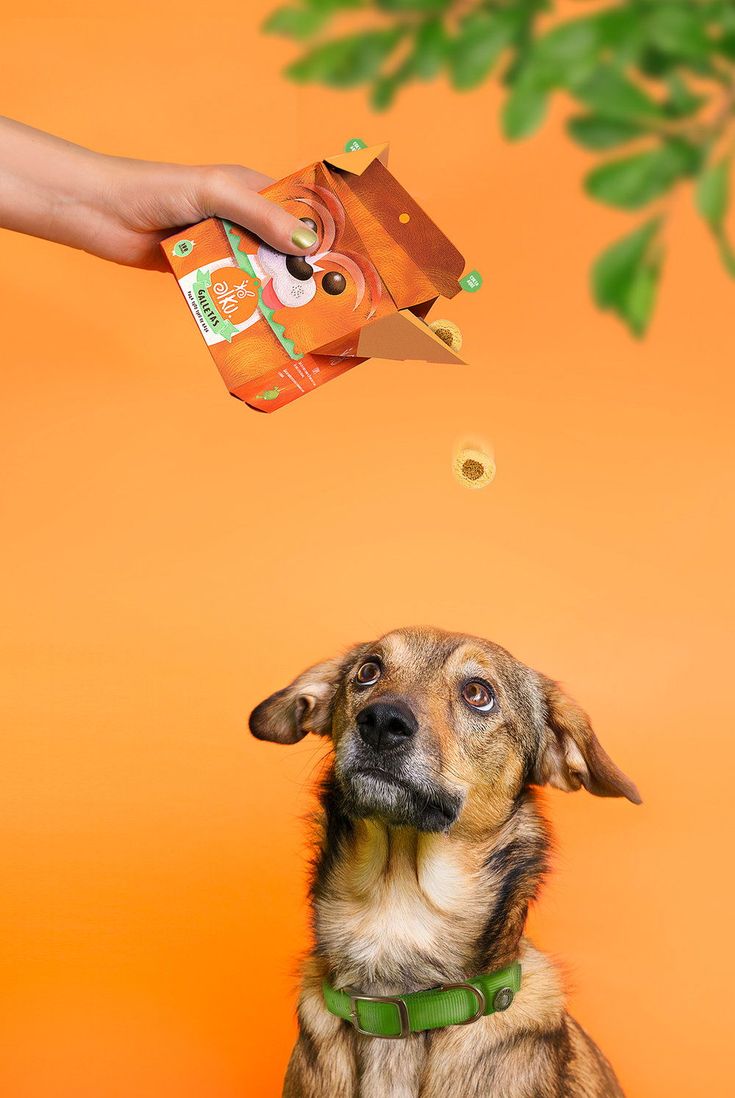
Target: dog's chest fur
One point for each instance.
(396, 911)
(399, 911)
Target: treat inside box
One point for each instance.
(279, 326)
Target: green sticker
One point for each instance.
(355, 144)
(471, 282)
(183, 247)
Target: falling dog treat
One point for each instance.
(473, 468)
(448, 332)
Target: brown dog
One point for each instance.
(431, 848)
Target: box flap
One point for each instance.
(356, 162)
(403, 336)
(416, 261)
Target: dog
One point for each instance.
(431, 846)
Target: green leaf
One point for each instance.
(430, 49)
(477, 47)
(656, 65)
(611, 93)
(713, 192)
(384, 92)
(387, 86)
(613, 269)
(346, 62)
(681, 101)
(637, 307)
(299, 23)
(621, 31)
(572, 41)
(428, 6)
(563, 57)
(727, 255)
(679, 29)
(524, 109)
(595, 131)
(636, 180)
(302, 19)
(712, 196)
(625, 277)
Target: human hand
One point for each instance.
(122, 209)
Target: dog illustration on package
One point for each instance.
(279, 325)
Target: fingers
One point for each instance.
(228, 192)
(256, 181)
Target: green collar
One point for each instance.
(447, 1005)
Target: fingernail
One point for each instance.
(303, 237)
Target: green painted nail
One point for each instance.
(303, 237)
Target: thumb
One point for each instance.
(226, 194)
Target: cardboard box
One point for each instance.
(280, 326)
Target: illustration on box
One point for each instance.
(278, 326)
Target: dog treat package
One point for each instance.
(279, 326)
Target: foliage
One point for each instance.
(652, 83)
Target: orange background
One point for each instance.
(169, 558)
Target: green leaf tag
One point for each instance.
(183, 247)
(471, 282)
(354, 144)
(269, 394)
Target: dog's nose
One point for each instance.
(386, 725)
(297, 266)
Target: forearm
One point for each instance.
(48, 187)
(121, 209)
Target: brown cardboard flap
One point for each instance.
(356, 162)
(402, 336)
(415, 259)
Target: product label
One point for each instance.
(223, 299)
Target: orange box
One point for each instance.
(280, 326)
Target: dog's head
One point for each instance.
(431, 728)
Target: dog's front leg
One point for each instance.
(322, 1063)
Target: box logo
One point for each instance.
(223, 298)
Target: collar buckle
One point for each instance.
(479, 996)
(395, 1001)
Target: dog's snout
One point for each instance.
(386, 725)
(298, 267)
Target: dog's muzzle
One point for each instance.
(386, 773)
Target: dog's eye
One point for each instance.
(479, 695)
(334, 283)
(368, 673)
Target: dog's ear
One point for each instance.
(570, 754)
(304, 706)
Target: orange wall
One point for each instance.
(169, 558)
